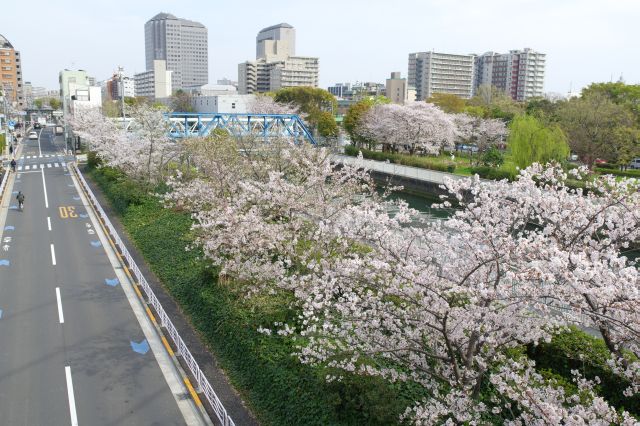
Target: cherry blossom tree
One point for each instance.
(259, 208)
(480, 131)
(415, 127)
(143, 151)
(440, 304)
(264, 104)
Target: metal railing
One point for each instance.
(181, 348)
(3, 184)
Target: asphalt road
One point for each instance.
(73, 350)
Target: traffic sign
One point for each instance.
(11, 123)
(57, 113)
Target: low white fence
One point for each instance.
(399, 170)
(181, 348)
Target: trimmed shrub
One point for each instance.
(577, 350)
(615, 172)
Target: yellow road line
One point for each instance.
(135, 287)
(167, 345)
(192, 391)
(151, 315)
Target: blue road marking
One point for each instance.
(76, 198)
(96, 243)
(9, 228)
(15, 192)
(4, 262)
(84, 215)
(70, 185)
(13, 208)
(112, 282)
(141, 348)
(0, 313)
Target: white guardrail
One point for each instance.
(181, 347)
(3, 184)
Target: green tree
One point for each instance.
(627, 95)
(492, 157)
(530, 141)
(543, 109)
(313, 103)
(135, 101)
(38, 103)
(355, 113)
(327, 125)
(111, 108)
(496, 103)
(181, 101)
(599, 128)
(54, 103)
(448, 102)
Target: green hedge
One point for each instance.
(626, 173)
(487, 172)
(405, 160)
(577, 350)
(280, 390)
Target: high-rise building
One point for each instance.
(154, 84)
(519, 73)
(276, 66)
(432, 72)
(11, 73)
(183, 44)
(396, 89)
(277, 42)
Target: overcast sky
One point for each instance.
(356, 40)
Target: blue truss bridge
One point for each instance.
(188, 124)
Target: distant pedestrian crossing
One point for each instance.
(41, 166)
(29, 157)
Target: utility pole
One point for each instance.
(121, 78)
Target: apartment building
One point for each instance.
(155, 83)
(433, 72)
(519, 73)
(11, 74)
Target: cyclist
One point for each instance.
(20, 198)
(13, 164)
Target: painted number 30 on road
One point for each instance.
(67, 212)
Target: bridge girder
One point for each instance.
(185, 124)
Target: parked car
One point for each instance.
(33, 135)
(599, 161)
(635, 164)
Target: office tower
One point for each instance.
(432, 72)
(11, 73)
(276, 66)
(277, 42)
(182, 44)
